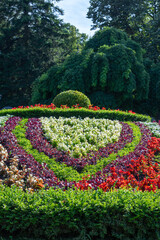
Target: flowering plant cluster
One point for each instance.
(52, 106)
(35, 134)
(3, 119)
(154, 127)
(13, 174)
(136, 169)
(80, 136)
(36, 170)
(95, 108)
(142, 174)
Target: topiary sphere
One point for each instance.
(71, 98)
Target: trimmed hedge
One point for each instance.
(108, 114)
(121, 214)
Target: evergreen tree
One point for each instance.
(29, 34)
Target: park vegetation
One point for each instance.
(78, 163)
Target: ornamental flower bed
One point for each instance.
(80, 136)
(115, 172)
(35, 134)
(110, 192)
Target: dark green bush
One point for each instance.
(71, 98)
(102, 99)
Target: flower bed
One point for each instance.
(112, 191)
(34, 129)
(80, 136)
(93, 167)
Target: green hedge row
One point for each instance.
(108, 114)
(75, 214)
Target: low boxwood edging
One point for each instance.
(75, 214)
(108, 114)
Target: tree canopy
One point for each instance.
(32, 38)
(138, 18)
(110, 64)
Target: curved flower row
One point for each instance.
(52, 106)
(9, 141)
(121, 163)
(141, 149)
(80, 136)
(35, 134)
(139, 170)
(13, 174)
(154, 127)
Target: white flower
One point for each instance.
(79, 136)
(154, 128)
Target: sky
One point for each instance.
(75, 12)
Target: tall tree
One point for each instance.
(74, 41)
(130, 15)
(109, 70)
(29, 34)
(138, 18)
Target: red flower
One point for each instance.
(130, 111)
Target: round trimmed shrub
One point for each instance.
(71, 98)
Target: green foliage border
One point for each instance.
(122, 214)
(83, 112)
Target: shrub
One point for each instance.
(71, 98)
(69, 112)
(118, 215)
